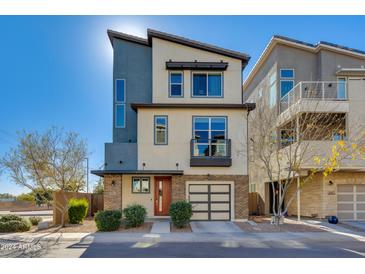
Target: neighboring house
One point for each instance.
(179, 127)
(293, 76)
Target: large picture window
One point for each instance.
(161, 133)
(140, 185)
(210, 134)
(120, 111)
(207, 84)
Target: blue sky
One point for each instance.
(57, 70)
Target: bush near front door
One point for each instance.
(180, 213)
(134, 215)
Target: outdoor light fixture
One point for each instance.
(120, 162)
(330, 183)
(143, 165)
(113, 183)
(177, 165)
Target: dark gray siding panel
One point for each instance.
(132, 62)
(120, 156)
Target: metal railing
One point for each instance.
(322, 90)
(210, 148)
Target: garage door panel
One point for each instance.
(210, 201)
(219, 188)
(220, 206)
(198, 188)
(360, 206)
(219, 215)
(346, 215)
(360, 197)
(345, 197)
(345, 188)
(219, 197)
(198, 197)
(360, 188)
(349, 206)
(198, 207)
(360, 216)
(200, 216)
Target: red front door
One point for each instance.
(162, 195)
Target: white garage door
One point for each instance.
(351, 202)
(211, 202)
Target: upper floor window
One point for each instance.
(207, 84)
(272, 90)
(341, 88)
(286, 81)
(120, 108)
(210, 134)
(160, 130)
(176, 87)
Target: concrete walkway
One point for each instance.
(214, 227)
(160, 227)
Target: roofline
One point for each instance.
(278, 39)
(103, 172)
(180, 40)
(248, 106)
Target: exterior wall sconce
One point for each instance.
(330, 183)
(177, 166)
(113, 183)
(120, 162)
(143, 165)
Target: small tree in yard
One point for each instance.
(283, 151)
(53, 160)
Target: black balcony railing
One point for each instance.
(210, 152)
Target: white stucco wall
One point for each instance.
(163, 51)
(165, 157)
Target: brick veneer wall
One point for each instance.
(112, 193)
(240, 189)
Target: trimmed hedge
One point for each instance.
(77, 210)
(108, 220)
(180, 213)
(35, 220)
(134, 215)
(14, 223)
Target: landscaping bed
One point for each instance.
(262, 224)
(89, 226)
(173, 228)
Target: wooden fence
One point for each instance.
(255, 204)
(96, 203)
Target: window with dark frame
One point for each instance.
(120, 110)
(207, 84)
(176, 88)
(161, 130)
(140, 185)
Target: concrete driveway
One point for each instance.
(358, 224)
(214, 227)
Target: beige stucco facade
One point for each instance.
(165, 157)
(163, 51)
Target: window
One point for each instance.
(286, 81)
(341, 88)
(140, 185)
(120, 115)
(120, 93)
(272, 90)
(209, 134)
(207, 84)
(160, 130)
(176, 88)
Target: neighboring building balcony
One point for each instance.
(210, 153)
(315, 96)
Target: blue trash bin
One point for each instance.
(333, 220)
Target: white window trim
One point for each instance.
(287, 77)
(207, 73)
(124, 120)
(115, 91)
(181, 84)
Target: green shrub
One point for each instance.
(108, 220)
(14, 223)
(180, 213)
(35, 220)
(134, 215)
(77, 210)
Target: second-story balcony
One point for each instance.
(210, 153)
(314, 91)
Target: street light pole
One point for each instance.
(87, 174)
